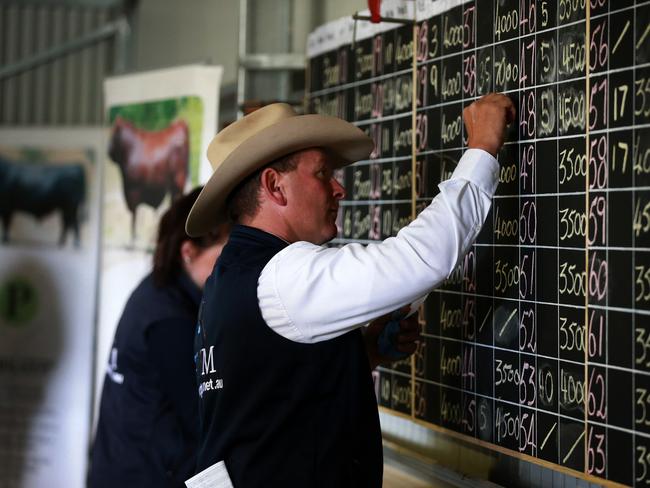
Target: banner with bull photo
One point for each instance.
(49, 206)
(161, 123)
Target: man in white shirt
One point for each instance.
(286, 397)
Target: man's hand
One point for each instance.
(486, 120)
(406, 339)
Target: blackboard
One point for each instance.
(538, 344)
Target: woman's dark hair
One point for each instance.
(171, 235)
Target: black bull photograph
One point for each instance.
(39, 189)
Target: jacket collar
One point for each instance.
(189, 288)
(243, 234)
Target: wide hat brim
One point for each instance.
(280, 139)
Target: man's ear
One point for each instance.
(271, 183)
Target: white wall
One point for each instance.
(172, 32)
(333, 9)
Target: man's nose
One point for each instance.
(338, 190)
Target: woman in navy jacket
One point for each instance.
(147, 431)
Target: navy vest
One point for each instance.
(139, 440)
(279, 413)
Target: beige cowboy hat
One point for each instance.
(260, 138)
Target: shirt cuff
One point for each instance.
(479, 167)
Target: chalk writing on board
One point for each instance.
(539, 341)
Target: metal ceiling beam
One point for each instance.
(118, 27)
(282, 61)
(64, 3)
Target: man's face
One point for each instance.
(313, 196)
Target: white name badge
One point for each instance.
(216, 476)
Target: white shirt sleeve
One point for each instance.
(309, 293)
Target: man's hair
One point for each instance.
(244, 200)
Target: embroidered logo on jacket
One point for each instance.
(206, 363)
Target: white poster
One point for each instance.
(161, 124)
(49, 208)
